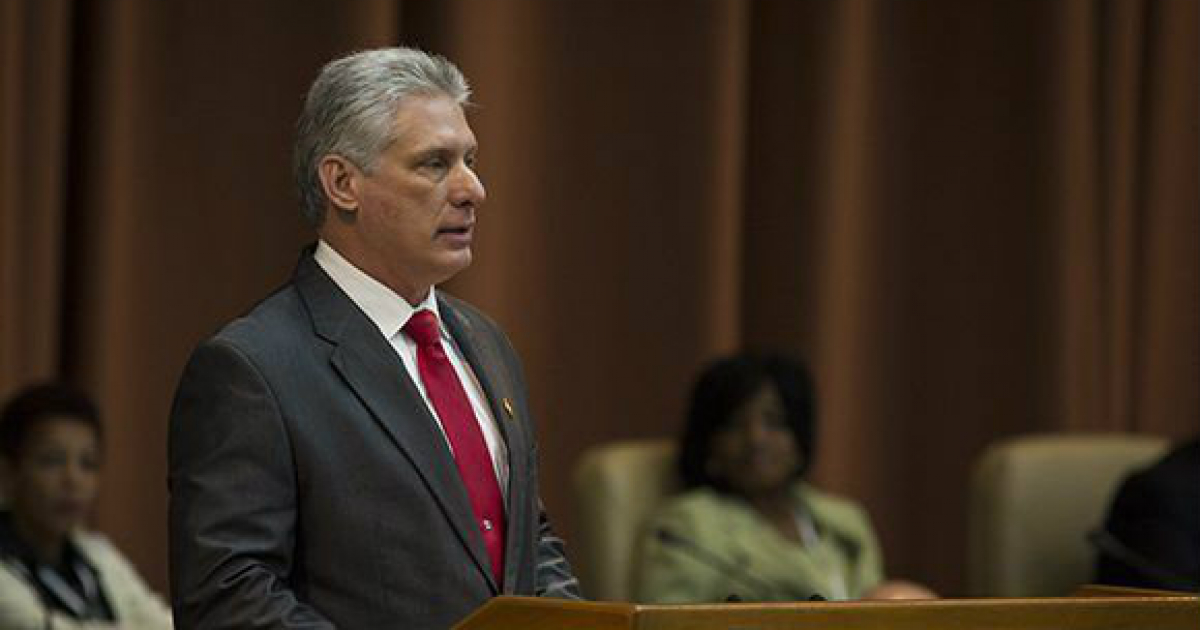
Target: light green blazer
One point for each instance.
(750, 559)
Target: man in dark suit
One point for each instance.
(357, 451)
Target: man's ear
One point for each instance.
(340, 179)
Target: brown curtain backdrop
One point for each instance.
(973, 219)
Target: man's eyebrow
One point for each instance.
(434, 150)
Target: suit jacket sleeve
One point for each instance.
(553, 576)
(233, 499)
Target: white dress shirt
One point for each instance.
(390, 312)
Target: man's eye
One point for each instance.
(437, 163)
(470, 161)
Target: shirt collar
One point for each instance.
(383, 306)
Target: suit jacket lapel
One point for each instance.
(480, 352)
(372, 370)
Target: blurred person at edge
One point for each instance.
(1151, 535)
(53, 573)
(749, 527)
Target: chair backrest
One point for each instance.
(1033, 501)
(617, 487)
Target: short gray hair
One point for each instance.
(351, 107)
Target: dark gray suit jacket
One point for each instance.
(311, 488)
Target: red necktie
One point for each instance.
(462, 429)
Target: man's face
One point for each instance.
(417, 209)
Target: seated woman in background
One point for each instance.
(53, 574)
(749, 527)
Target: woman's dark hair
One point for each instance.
(728, 384)
(38, 403)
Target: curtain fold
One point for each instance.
(35, 94)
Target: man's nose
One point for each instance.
(466, 188)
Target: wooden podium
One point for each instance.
(1091, 608)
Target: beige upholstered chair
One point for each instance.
(1033, 501)
(617, 486)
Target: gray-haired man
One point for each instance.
(357, 451)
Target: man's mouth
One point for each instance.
(457, 234)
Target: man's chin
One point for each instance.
(453, 263)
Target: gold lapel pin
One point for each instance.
(508, 408)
